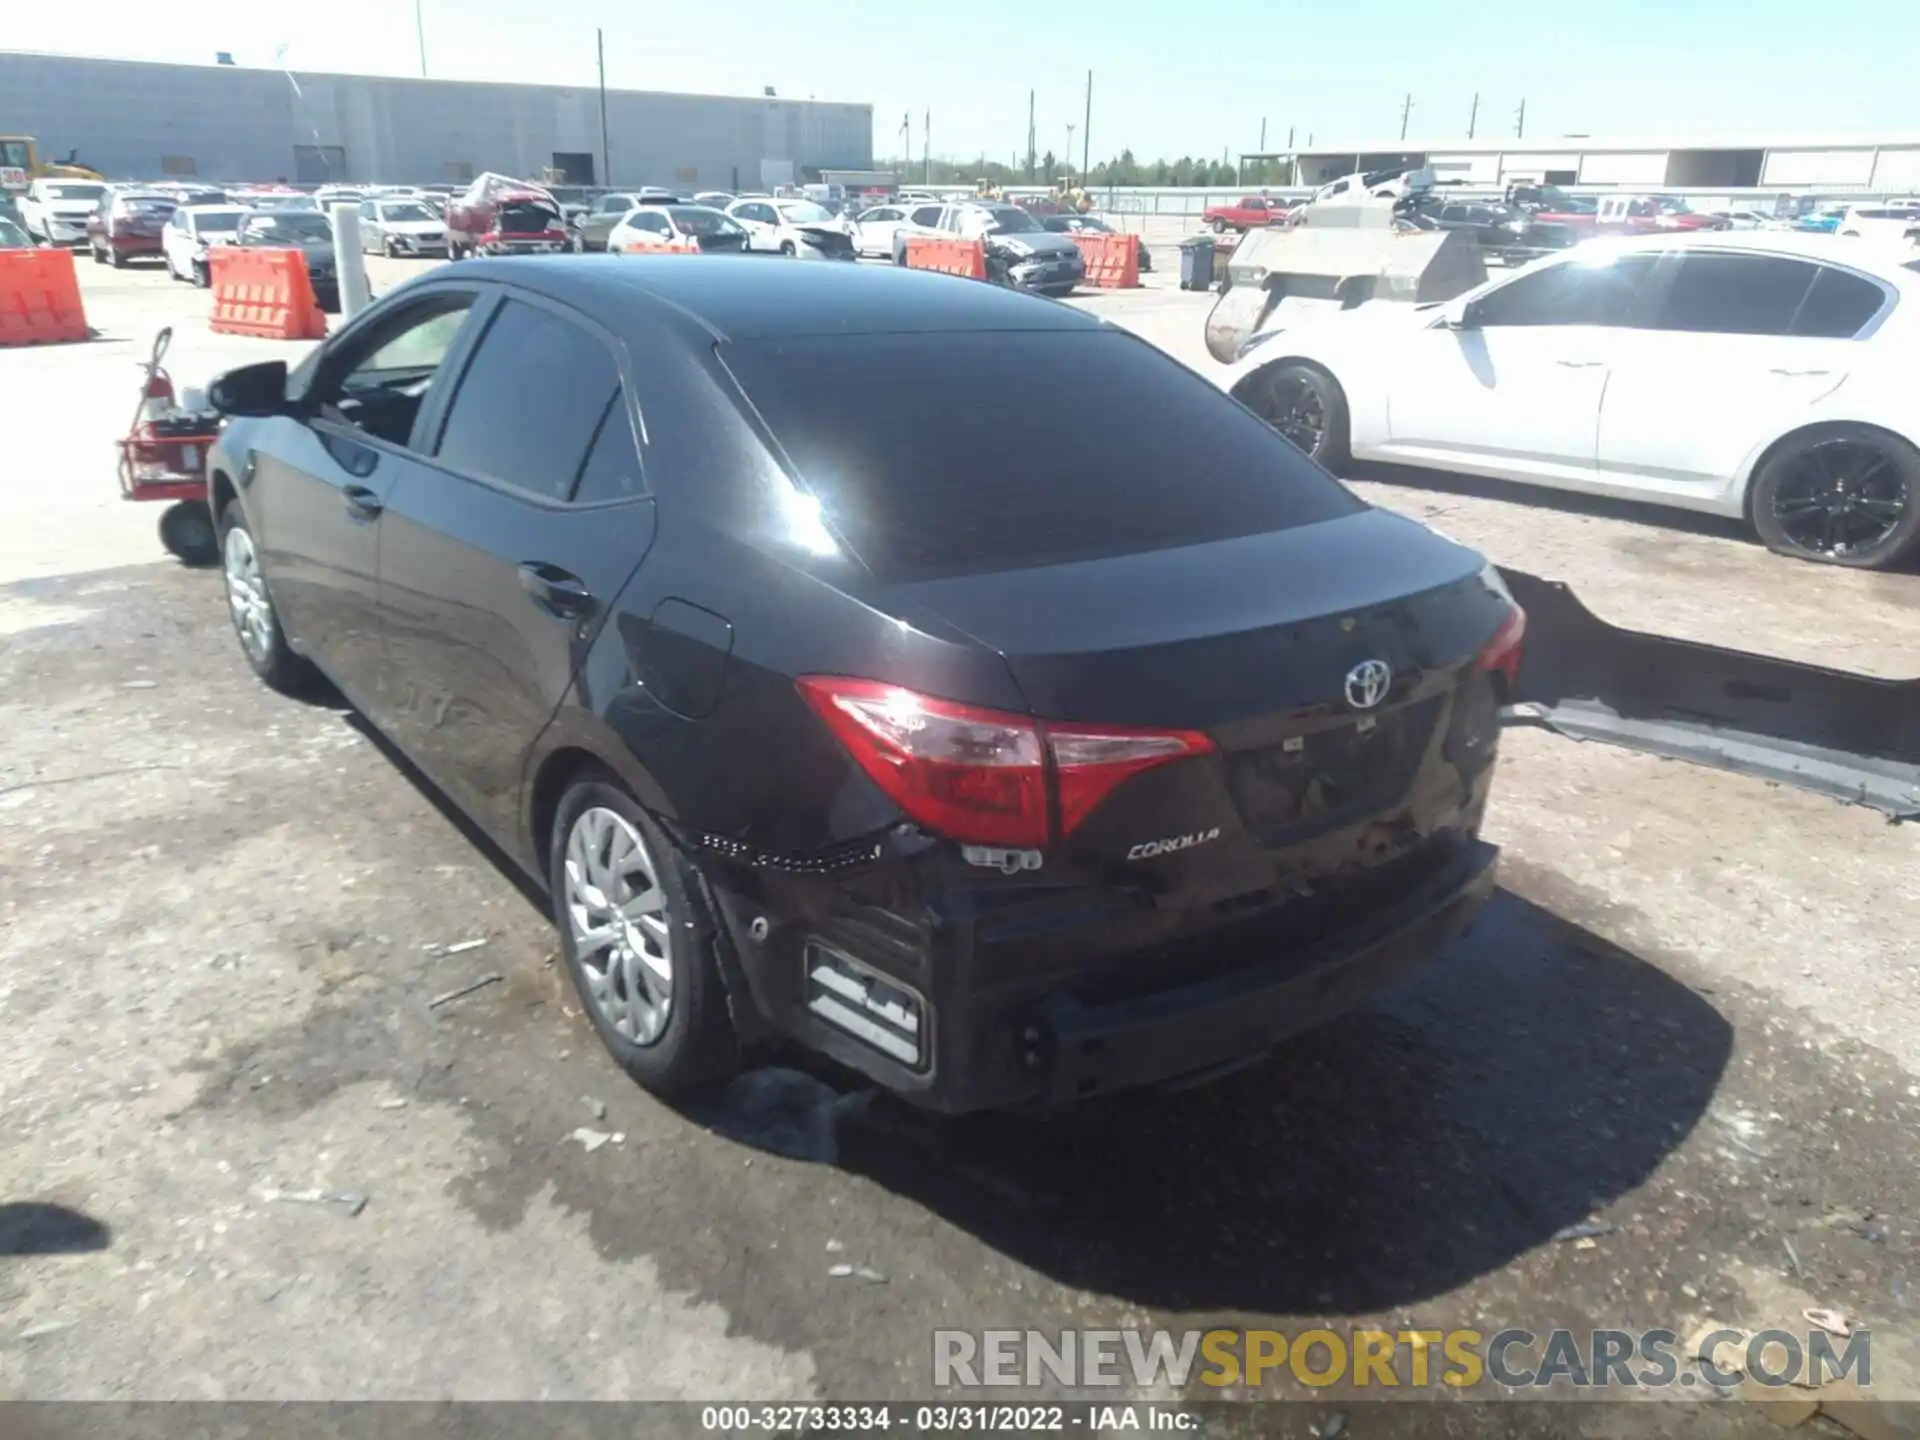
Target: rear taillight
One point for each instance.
(1502, 653)
(985, 777)
(492, 237)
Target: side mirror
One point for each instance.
(258, 390)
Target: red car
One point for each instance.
(507, 222)
(1248, 214)
(127, 225)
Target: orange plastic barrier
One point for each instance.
(965, 258)
(264, 293)
(40, 298)
(1113, 261)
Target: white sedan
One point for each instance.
(192, 231)
(875, 228)
(1765, 376)
(794, 227)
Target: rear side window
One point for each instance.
(1731, 294)
(956, 454)
(612, 468)
(531, 402)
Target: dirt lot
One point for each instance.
(1692, 1011)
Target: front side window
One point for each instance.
(378, 385)
(1577, 292)
(531, 402)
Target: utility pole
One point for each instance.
(1473, 115)
(1263, 134)
(926, 147)
(606, 164)
(1406, 113)
(906, 139)
(1030, 139)
(420, 29)
(1066, 160)
(1086, 136)
(1520, 122)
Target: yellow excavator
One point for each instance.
(20, 164)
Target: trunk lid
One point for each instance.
(1324, 663)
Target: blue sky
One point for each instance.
(1171, 77)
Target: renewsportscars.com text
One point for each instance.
(1511, 1359)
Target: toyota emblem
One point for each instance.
(1368, 683)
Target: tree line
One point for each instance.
(1124, 169)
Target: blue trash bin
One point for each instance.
(1196, 263)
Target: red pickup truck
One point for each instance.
(1248, 214)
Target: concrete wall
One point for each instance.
(129, 118)
(1624, 168)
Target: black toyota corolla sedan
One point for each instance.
(932, 675)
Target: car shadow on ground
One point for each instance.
(34, 1227)
(1522, 1082)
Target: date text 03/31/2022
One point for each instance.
(942, 1419)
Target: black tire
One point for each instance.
(389, 249)
(116, 259)
(187, 532)
(202, 275)
(94, 250)
(697, 1044)
(1840, 482)
(1219, 227)
(1278, 385)
(272, 660)
(788, 249)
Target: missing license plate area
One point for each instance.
(1327, 776)
(854, 1000)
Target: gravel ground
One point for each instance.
(224, 914)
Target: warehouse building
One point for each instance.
(138, 120)
(1805, 162)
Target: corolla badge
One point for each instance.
(1368, 683)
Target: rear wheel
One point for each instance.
(94, 250)
(1219, 227)
(787, 248)
(202, 274)
(1842, 495)
(116, 259)
(638, 943)
(186, 529)
(1307, 406)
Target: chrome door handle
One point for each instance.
(362, 501)
(1580, 364)
(1796, 374)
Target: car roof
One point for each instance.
(1799, 244)
(742, 298)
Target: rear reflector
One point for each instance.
(981, 776)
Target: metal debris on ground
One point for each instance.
(464, 946)
(592, 1140)
(857, 1272)
(1834, 1322)
(1585, 1230)
(1793, 1258)
(45, 1327)
(352, 1201)
(139, 684)
(834, 1247)
(464, 990)
(391, 1104)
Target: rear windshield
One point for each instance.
(406, 210)
(699, 220)
(75, 192)
(217, 220)
(960, 454)
(147, 205)
(525, 218)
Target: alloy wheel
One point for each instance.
(247, 595)
(617, 917)
(1842, 497)
(1295, 409)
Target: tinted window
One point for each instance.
(969, 453)
(1838, 305)
(698, 220)
(530, 402)
(1568, 294)
(218, 223)
(612, 469)
(928, 215)
(1731, 294)
(525, 219)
